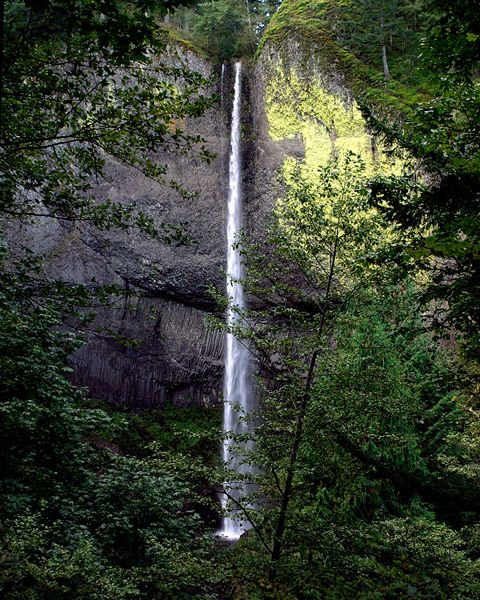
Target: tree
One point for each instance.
(442, 137)
(318, 229)
(224, 28)
(262, 11)
(372, 29)
(358, 436)
(81, 82)
(79, 515)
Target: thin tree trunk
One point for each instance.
(386, 72)
(248, 13)
(287, 492)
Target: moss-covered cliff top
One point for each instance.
(177, 37)
(309, 25)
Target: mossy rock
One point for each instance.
(305, 28)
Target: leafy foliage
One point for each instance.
(78, 515)
(81, 82)
(371, 27)
(365, 496)
(222, 26)
(367, 440)
(442, 135)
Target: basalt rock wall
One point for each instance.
(153, 347)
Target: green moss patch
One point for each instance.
(306, 24)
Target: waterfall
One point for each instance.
(237, 388)
(222, 84)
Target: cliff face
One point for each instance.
(305, 99)
(310, 113)
(298, 108)
(175, 358)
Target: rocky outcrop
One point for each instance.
(155, 347)
(161, 353)
(263, 155)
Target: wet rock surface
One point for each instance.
(155, 347)
(168, 354)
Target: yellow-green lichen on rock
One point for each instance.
(333, 132)
(292, 100)
(300, 105)
(313, 88)
(312, 91)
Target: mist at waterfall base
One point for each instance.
(237, 386)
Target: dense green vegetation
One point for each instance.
(365, 327)
(324, 29)
(88, 509)
(87, 506)
(374, 486)
(225, 28)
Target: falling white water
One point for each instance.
(237, 388)
(222, 84)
